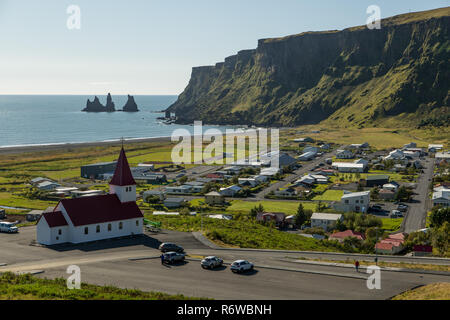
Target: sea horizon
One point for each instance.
(46, 120)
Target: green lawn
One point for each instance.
(287, 207)
(391, 225)
(27, 287)
(330, 195)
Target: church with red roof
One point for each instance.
(98, 217)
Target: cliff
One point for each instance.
(398, 75)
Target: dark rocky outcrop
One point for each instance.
(396, 76)
(94, 106)
(131, 105)
(110, 107)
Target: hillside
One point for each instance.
(396, 76)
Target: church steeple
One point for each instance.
(122, 184)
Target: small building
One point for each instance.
(344, 154)
(349, 167)
(48, 185)
(376, 180)
(230, 191)
(442, 155)
(391, 186)
(248, 182)
(286, 160)
(38, 180)
(386, 194)
(288, 192)
(269, 172)
(395, 155)
(304, 140)
(340, 236)
(96, 170)
(174, 202)
(435, 147)
(277, 217)
(410, 145)
(354, 202)
(307, 156)
(441, 197)
(311, 149)
(34, 215)
(154, 193)
(326, 221)
(184, 189)
(214, 198)
(422, 250)
(392, 244)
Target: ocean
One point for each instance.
(57, 119)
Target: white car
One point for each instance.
(241, 266)
(8, 227)
(211, 262)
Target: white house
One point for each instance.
(435, 147)
(346, 167)
(344, 154)
(48, 185)
(395, 155)
(95, 218)
(441, 198)
(325, 220)
(354, 202)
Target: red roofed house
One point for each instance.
(392, 244)
(95, 218)
(340, 236)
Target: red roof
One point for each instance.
(348, 233)
(55, 219)
(397, 236)
(100, 209)
(384, 246)
(122, 175)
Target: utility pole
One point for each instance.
(376, 253)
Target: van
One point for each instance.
(8, 227)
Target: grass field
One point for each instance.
(243, 233)
(27, 287)
(270, 206)
(330, 195)
(391, 225)
(435, 291)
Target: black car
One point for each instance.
(170, 247)
(172, 257)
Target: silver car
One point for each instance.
(172, 257)
(211, 262)
(241, 265)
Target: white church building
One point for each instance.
(98, 217)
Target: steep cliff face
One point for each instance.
(353, 77)
(131, 105)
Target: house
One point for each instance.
(320, 179)
(410, 145)
(304, 140)
(261, 178)
(435, 147)
(349, 167)
(34, 215)
(145, 175)
(38, 180)
(395, 155)
(442, 155)
(391, 186)
(386, 194)
(324, 172)
(95, 218)
(248, 182)
(96, 170)
(277, 217)
(377, 180)
(307, 156)
(214, 198)
(230, 191)
(184, 189)
(359, 146)
(286, 160)
(340, 236)
(174, 202)
(325, 221)
(233, 170)
(354, 202)
(154, 193)
(48, 185)
(307, 180)
(310, 149)
(344, 154)
(441, 198)
(269, 172)
(392, 244)
(289, 192)
(411, 154)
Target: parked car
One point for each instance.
(169, 247)
(8, 227)
(241, 266)
(396, 213)
(402, 207)
(376, 209)
(211, 262)
(172, 257)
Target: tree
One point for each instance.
(300, 217)
(257, 209)
(185, 211)
(438, 216)
(403, 194)
(441, 238)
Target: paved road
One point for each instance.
(417, 213)
(276, 276)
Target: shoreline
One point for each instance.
(76, 145)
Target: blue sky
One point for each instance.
(150, 46)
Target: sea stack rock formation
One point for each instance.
(94, 106)
(131, 105)
(110, 107)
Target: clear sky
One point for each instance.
(150, 46)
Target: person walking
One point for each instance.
(357, 265)
(162, 258)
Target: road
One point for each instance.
(418, 208)
(295, 176)
(134, 263)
